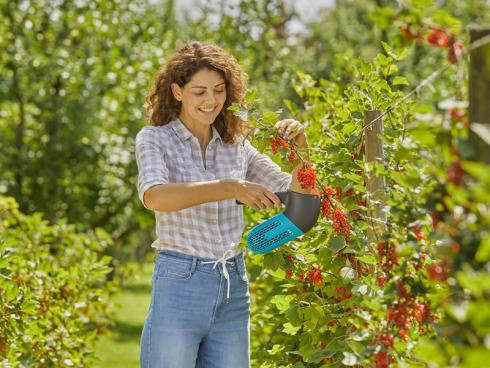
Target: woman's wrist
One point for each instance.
(230, 187)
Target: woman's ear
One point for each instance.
(177, 91)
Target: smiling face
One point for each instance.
(202, 97)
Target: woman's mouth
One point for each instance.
(207, 110)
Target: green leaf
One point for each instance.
(292, 316)
(290, 329)
(293, 109)
(298, 365)
(336, 243)
(270, 117)
(386, 47)
(381, 16)
(278, 273)
(276, 348)
(322, 236)
(476, 282)
(234, 107)
(273, 260)
(367, 259)
(282, 302)
(400, 80)
(251, 97)
(29, 307)
(483, 253)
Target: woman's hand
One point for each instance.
(255, 195)
(292, 130)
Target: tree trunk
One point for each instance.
(479, 93)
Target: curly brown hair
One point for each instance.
(161, 105)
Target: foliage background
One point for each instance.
(74, 75)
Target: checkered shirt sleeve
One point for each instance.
(152, 169)
(262, 170)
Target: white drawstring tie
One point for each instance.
(228, 254)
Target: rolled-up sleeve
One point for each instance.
(262, 170)
(152, 169)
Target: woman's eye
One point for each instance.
(203, 92)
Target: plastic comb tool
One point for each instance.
(300, 215)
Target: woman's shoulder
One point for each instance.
(244, 144)
(149, 131)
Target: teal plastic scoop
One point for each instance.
(300, 215)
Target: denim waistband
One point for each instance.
(235, 263)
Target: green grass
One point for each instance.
(120, 348)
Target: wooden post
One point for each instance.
(375, 185)
(479, 92)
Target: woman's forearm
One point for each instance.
(177, 196)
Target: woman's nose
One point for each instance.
(211, 97)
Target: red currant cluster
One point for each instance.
(327, 202)
(357, 266)
(381, 280)
(387, 340)
(340, 223)
(307, 176)
(410, 34)
(315, 276)
(278, 142)
(459, 115)
(439, 38)
(456, 173)
(418, 233)
(362, 150)
(292, 155)
(438, 271)
(381, 358)
(407, 310)
(339, 194)
(387, 255)
(342, 293)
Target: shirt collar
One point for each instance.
(183, 133)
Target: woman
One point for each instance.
(193, 165)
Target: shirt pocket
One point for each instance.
(237, 173)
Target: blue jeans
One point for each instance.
(191, 322)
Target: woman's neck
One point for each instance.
(201, 132)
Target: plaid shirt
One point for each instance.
(171, 154)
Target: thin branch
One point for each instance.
(473, 46)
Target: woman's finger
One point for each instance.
(274, 199)
(266, 202)
(297, 132)
(291, 128)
